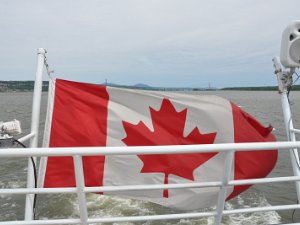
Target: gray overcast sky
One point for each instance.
(157, 42)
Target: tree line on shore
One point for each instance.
(10, 86)
(21, 86)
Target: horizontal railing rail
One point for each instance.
(147, 150)
(153, 217)
(148, 187)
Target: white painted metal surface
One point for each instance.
(291, 137)
(224, 186)
(149, 150)
(79, 177)
(284, 79)
(26, 137)
(147, 187)
(35, 120)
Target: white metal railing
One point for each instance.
(81, 190)
(35, 121)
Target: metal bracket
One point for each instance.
(284, 77)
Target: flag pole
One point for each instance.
(285, 81)
(35, 119)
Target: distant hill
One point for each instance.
(136, 86)
(140, 85)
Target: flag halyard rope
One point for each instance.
(47, 66)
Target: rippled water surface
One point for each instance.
(265, 106)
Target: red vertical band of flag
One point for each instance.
(251, 164)
(82, 124)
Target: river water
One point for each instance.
(264, 105)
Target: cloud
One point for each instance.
(162, 43)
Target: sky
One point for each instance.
(162, 43)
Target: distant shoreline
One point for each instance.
(28, 86)
(263, 88)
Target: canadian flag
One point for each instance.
(81, 115)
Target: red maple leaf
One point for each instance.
(168, 127)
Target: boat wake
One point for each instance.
(103, 206)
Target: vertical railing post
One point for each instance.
(80, 185)
(291, 137)
(223, 190)
(35, 119)
(284, 79)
